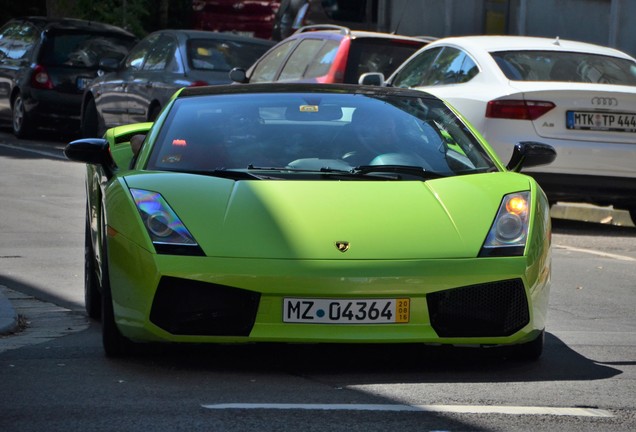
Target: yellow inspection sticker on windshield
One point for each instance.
(309, 108)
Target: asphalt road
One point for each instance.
(54, 376)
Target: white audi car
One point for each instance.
(580, 98)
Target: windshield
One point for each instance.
(315, 132)
(80, 49)
(565, 67)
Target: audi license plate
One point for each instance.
(346, 311)
(603, 121)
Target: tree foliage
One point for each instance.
(138, 16)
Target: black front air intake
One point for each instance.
(484, 310)
(186, 307)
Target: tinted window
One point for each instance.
(300, 132)
(413, 73)
(377, 55)
(446, 69)
(437, 67)
(81, 49)
(17, 40)
(324, 59)
(135, 59)
(565, 67)
(223, 55)
(266, 69)
(302, 56)
(162, 54)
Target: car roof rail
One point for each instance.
(315, 27)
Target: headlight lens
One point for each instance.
(167, 232)
(509, 231)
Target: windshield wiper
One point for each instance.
(226, 173)
(416, 171)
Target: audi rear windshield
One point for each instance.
(566, 67)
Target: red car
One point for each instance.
(243, 17)
(330, 54)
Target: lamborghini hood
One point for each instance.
(320, 220)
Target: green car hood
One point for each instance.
(283, 219)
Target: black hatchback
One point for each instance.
(45, 65)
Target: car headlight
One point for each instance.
(509, 231)
(166, 231)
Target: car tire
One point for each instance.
(92, 292)
(20, 120)
(89, 126)
(529, 351)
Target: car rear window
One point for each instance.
(223, 55)
(377, 55)
(82, 49)
(565, 67)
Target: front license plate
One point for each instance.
(603, 121)
(346, 311)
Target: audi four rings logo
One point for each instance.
(605, 101)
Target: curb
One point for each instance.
(8, 316)
(591, 213)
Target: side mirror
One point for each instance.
(93, 151)
(109, 64)
(529, 153)
(238, 75)
(371, 78)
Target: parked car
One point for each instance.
(242, 17)
(313, 213)
(137, 88)
(578, 97)
(329, 54)
(45, 65)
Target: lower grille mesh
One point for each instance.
(187, 307)
(484, 310)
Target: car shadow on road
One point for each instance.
(369, 363)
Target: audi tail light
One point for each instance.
(516, 109)
(40, 78)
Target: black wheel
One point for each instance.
(22, 127)
(92, 292)
(89, 126)
(529, 351)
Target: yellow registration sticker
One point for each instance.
(402, 310)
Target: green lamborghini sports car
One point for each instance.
(310, 213)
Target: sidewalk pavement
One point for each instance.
(26, 320)
(29, 306)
